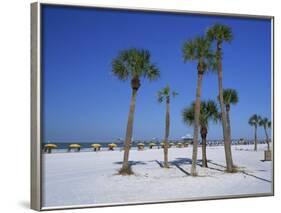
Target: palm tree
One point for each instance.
(133, 64)
(197, 50)
(255, 122)
(164, 95)
(230, 96)
(222, 33)
(265, 123)
(208, 111)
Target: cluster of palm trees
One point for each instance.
(256, 121)
(206, 50)
(200, 50)
(209, 112)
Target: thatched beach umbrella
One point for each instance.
(179, 145)
(96, 146)
(75, 146)
(140, 146)
(48, 147)
(111, 146)
(151, 145)
(171, 144)
(185, 144)
(162, 145)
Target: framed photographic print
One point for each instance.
(138, 105)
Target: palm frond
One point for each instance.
(199, 50)
(151, 72)
(165, 93)
(269, 124)
(189, 51)
(230, 96)
(254, 120)
(174, 94)
(265, 122)
(208, 112)
(134, 63)
(188, 114)
(220, 33)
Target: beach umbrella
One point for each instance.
(48, 147)
(111, 146)
(179, 145)
(185, 144)
(171, 144)
(96, 146)
(151, 145)
(140, 146)
(75, 147)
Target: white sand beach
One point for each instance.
(91, 177)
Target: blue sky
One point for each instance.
(83, 101)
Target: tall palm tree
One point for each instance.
(222, 33)
(208, 112)
(133, 64)
(230, 96)
(255, 122)
(197, 50)
(265, 123)
(164, 95)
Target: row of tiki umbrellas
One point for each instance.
(96, 147)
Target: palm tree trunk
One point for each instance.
(256, 141)
(167, 130)
(228, 121)
(267, 139)
(227, 141)
(196, 123)
(125, 167)
(204, 146)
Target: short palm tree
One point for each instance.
(164, 95)
(265, 123)
(197, 50)
(222, 33)
(133, 64)
(254, 121)
(230, 97)
(208, 112)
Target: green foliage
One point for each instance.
(265, 122)
(134, 63)
(219, 33)
(208, 111)
(198, 49)
(165, 94)
(230, 96)
(254, 120)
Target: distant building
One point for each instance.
(188, 138)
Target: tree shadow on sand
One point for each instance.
(179, 162)
(132, 163)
